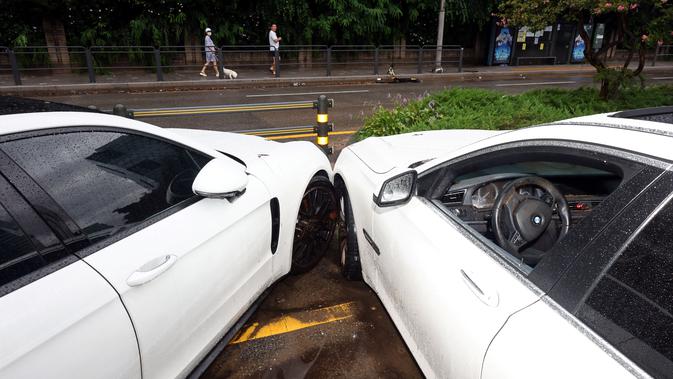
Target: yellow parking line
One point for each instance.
(298, 321)
(307, 135)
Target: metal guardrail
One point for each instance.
(103, 60)
(663, 51)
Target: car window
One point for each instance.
(18, 256)
(595, 186)
(108, 181)
(631, 303)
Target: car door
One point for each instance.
(185, 267)
(451, 288)
(447, 294)
(58, 317)
(611, 314)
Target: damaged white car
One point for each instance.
(542, 252)
(129, 251)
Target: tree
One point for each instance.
(635, 25)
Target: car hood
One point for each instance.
(382, 154)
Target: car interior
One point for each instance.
(526, 201)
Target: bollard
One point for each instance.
(276, 54)
(376, 61)
(15, 67)
(419, 68)
(89, 66)
(120, 110)
(460, 61)
(656, 52)
(324, 127)
(220, 63)
(157, 61)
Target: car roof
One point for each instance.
(609, 130)
(21, 122)
(657, 120)
(14, 105)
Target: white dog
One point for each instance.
(231, 74)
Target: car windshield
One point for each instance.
(538, 168)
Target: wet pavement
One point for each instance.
(317, 325)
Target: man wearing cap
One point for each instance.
(211, 56)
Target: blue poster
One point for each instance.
(578, 50)
(503, 46)
(578, 46)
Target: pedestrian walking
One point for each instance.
(211, 56)
(274, 45)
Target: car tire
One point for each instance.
(348, 241)
(316, 222)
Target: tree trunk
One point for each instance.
(54, 35)
(605, 90)
(193, 54)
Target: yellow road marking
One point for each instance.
(310, 135)
(177, 112)
(272, 132)
(298, 321)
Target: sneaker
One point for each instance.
(203, 74)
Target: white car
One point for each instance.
(545, 252)
(129, 251)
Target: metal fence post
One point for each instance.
(220, 62)
(324, 127)
(15, 67)
(276, 54)
(656, 52)
(89, 66)
(420, 60)
(376, 60)
(157, 61)
(460, 60)
(329, 61)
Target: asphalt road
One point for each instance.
(317, 325)
(353, 102)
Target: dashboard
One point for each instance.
(472, 199)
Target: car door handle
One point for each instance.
(151, 270)
(489, 298)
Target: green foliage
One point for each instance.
(465, 108)
(634, 25)
(172, 22)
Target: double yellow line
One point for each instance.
(292, 133)
(221, 109)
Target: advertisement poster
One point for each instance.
(503, 46)
(578, 50)
(578, 46)
(521, 35)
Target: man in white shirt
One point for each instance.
(274, 44)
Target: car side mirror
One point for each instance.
(221, 178)
(397, 190)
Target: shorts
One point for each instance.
(211, 57)
(272, 53)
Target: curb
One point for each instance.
(469, 75)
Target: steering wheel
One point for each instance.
(521, 219)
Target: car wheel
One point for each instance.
(316, 222)
(348, 242)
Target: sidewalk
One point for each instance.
(145, 81)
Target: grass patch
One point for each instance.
(471, 108)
